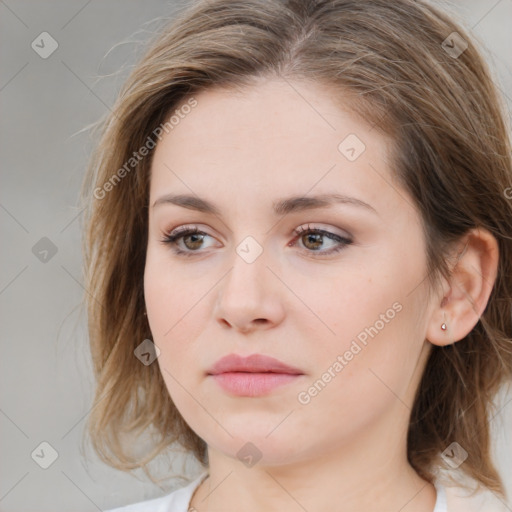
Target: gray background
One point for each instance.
(45, 375)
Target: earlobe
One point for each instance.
(469, 288)
(440, 334)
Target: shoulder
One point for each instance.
(464, 495)
(176, 501)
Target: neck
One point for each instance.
(359, 476)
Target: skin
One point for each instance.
(346, 449)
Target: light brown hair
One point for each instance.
(387, 61)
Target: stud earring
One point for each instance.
(443, 327)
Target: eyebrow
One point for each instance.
(280, 207)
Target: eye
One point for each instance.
(191, 237)
(313, 240)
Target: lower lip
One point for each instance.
(252, 384)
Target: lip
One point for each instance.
(252, 376)
(255, 363)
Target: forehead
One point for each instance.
(274, 138)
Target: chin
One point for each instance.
(255, 448)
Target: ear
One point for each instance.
(468, 290)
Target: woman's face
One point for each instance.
(346, 306)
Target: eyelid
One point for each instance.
(322, 228)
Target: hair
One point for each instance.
(386, 61)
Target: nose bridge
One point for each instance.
(249, 270)
(247, 293)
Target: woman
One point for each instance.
(299, 259)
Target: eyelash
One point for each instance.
(172, 238)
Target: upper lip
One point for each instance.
(255, 363)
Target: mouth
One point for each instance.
(252, 376)
(255, 363)
(252, 383)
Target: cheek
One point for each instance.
(365, 370)
(177, 310)
(166, 295)
(338, 304)
(369, 331)
(173, 315)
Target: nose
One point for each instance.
(250, 296)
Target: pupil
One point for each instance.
(196, 240)
(315, 237)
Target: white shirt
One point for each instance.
(449, 499)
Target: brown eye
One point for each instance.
(314, 239)
(191, 238)
(193, 241)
